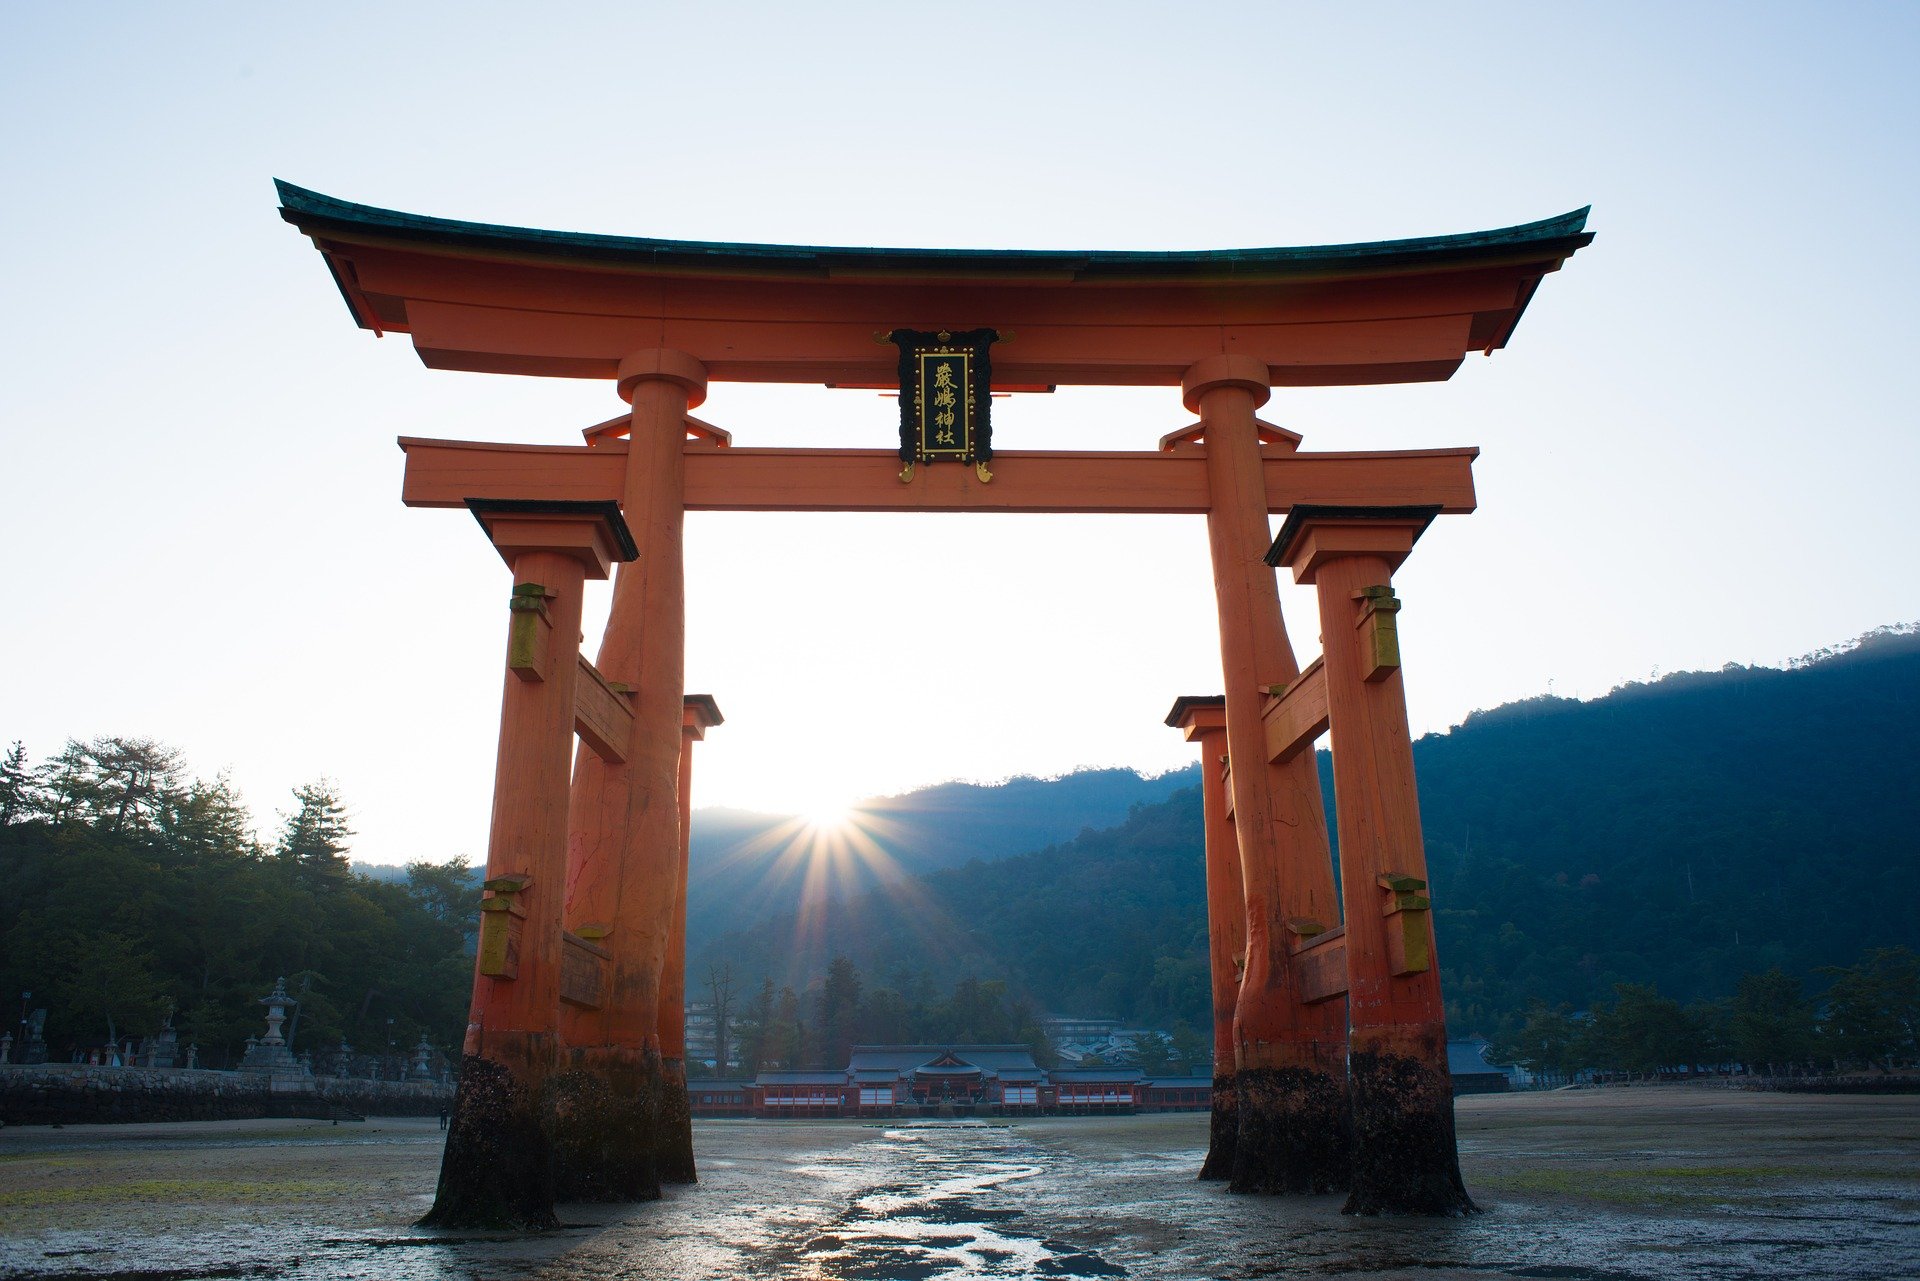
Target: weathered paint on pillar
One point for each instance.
(676, 1154)
(497, 1168)
(624, 843)
(1290, 1057)
(1404, 1159)
(1204, 721)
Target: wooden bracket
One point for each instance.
(529, 636)
(1296, 714)
(603, 714)
(621, 426)
(1409, 932)
(583, 970)
(503, 918)
(1319, 964)
(1196, 434)
(1380, 657)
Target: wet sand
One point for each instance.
(1607, 1185)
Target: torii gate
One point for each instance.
(571, 1072)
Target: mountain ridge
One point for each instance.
(1679, 832)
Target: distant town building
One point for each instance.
(700, 1024)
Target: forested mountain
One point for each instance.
(1680, 834)
(744, 865)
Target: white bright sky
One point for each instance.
(1700, 446)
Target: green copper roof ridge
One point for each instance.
(300, 206)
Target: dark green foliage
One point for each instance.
(1643, 1032)
(1770, 1022)
(132, 890)
(1873, 1010)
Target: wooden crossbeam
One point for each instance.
(602, 714)
(446, 473)
(1320, 965)
(1297, 715)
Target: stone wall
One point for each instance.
(74, 1094)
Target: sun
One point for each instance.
(827, 816)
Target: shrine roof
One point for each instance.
(310, 210)
(1098, 1074)
(901, 1059)
(801, 1078)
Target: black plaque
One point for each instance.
(946, 382)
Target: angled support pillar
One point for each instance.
(623, 850)
(1290, 1056)
(497, 1168)
(700, 714)
(1204, 721)
(1404, 1155)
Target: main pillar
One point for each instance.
(700, 714)
(624, 843)
(1204, 721)
(497, 1168)
(1404, 1157)
(1290, 1057)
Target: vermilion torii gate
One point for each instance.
(569, 1082)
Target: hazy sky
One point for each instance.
(1700, 446)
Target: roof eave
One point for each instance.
(1548, 241)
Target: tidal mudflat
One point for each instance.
(1608, 1185)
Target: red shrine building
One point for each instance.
(960, 1080)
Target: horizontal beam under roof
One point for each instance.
(451, 473)
(516, 300)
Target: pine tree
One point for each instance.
(788, 1038)
(117, 784)
(720, 998)
(20, 797)
(314, 838)
(839, 1010)
(755, 1029)
(211, 820)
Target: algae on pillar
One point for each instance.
(624, 845)
(700, 713)
(1290, 1055)
(497, 1168)
(1405, 1160)
(1204, 721)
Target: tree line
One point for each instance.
(771, 1028)
(138, 893)
(1868, 1018)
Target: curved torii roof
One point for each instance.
(516, 300)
